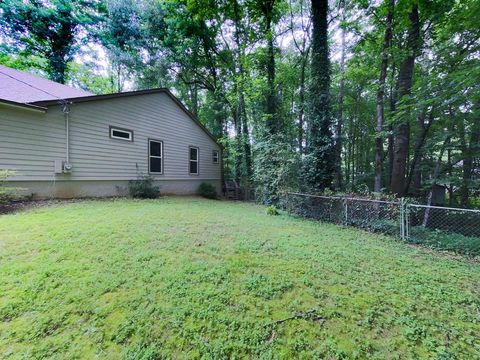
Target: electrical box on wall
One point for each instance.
(58, 166)
(62, 167)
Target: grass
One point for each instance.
(194, 278)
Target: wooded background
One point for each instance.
(347, 95)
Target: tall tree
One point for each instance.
(49, 29)
(404, 86)
(123, 37)
(320, 163)
(414, 174)
(381, 97)
(302, 46)
(273, 123)
(240, 77)
(341, 95)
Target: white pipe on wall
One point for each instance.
(66, 112)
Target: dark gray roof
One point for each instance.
(23, 87)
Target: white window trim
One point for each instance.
(129, 132)
(216, 156)
(197, 160)
(155, 156)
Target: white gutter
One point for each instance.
(25, 107)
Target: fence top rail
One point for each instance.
(345, 198)
(444, 208)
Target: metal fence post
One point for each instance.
(345, 207)
(402, 218)
(407, 221)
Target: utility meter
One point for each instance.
(67, 167)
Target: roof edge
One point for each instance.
(30, 107)
(81, 99)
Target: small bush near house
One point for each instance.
(207, 191)
(7, 194)
(143, 188)
(272, 210)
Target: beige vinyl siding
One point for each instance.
(96, 156)
(30, 143)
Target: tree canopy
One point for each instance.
(351, 95)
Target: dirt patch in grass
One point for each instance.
(16, 206)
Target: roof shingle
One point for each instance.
(22, 87)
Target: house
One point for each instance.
(65, 142)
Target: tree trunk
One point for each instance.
(238, 146)
(468, 155)
(194, 98)
(450, 174)
(301, 113)
(241, 111)
(404, 85)
(390, 128)
(436, 174)
(417, 178)
(273, 124)
(349, 150)
(380, 99)
(247, 149)
(119, 82)
(319, 174)
(418, 148)
(338, 143)
(472, 156)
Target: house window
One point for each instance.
(122, 134)
(155, 157)
(193, 160)
(215, 157)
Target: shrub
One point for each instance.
(143, 188)
(272, 210)
(8, 194)
(207, 190)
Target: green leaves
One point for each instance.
(49, 29)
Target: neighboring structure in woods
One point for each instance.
(66, 142)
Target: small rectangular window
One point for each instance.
(155, 157)
(193, 160)
(215, 157)
(122, 134)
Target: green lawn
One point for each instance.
(192, 278)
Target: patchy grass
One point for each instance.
(191, 278)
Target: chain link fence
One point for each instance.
(451, 229)
(445, 228)
(372, 215)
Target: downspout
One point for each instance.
(67, 167)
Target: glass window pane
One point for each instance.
(193, 167)
(193, 154)
(155, 148)
(155, 165)
(127, 135)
